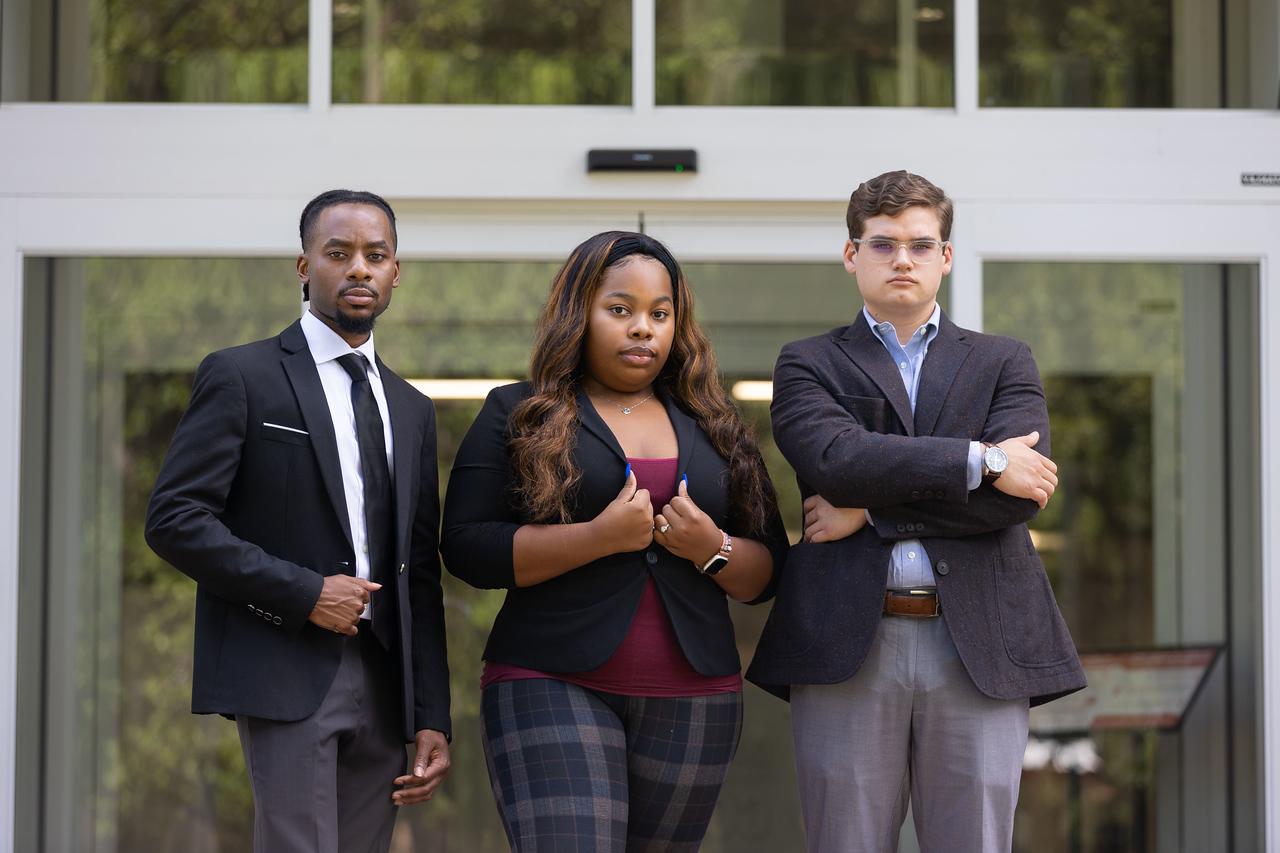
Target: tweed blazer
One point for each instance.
(842, 418)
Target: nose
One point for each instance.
(641, 327)
(902, 260)
(359, 269)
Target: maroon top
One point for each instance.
(648, 661)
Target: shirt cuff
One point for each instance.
(975, 464)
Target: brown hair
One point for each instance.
(892, 193)
(543, 427)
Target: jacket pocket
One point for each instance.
(1031, 626)
(284, 433)
(874, 413)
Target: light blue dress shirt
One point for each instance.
(909, 565)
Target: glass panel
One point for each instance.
(1129, 53)
(114, 344)
(1136, 360)
(793, 53)
(155, 51)
(465, 52)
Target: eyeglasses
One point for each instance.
(883, 250)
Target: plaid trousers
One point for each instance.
(575, 769)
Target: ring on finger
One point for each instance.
(664, 528)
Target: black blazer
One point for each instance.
(575, 621)
(249, 503)
(842, 418)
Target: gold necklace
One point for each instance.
(626, 410)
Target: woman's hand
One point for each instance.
(626, 524)
(687, 531)
(826, 523)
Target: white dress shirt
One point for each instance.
(326, 347)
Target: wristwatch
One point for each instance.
(994, 461)
(721, 558)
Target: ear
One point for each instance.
(395, 282)
(850, 255)
(946, 257)
(304, 276)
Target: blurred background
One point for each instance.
(1117, 185)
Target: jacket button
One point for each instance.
(942, 568)
(651, 558)
(915, 494)
(902, 528)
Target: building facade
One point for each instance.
(1116, 172)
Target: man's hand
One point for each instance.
(430, 766)
(342, 600)
(826, 523)
(1029, 474)
(626, 524)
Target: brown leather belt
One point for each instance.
(921, 602)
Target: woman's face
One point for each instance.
(630, 326)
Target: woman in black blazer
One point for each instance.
(619, 499)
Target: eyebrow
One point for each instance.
(338, 241)
(618, 294)
(908, 240)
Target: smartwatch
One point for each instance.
(994, 462)
(720, 559)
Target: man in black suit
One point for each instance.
(300, 493)
(915, 624)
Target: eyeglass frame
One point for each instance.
(899, 245)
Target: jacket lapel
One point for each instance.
(947, 353)
(594, 424)
(301, 370)
(868, 353)
(404, 450)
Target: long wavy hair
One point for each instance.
(543, 427)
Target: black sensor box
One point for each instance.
(642, 160)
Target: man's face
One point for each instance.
(350, 266)
(900, 286)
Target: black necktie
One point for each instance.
(378, 513)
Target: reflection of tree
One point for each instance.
(1067, 53)
(187, 50)
(470, 52)
(776, 52)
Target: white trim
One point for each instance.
(644, 54)
(966, 59)
(319, 55)
(1269, 411)
(10, 459)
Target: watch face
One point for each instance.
(995, 460)
(715, 564)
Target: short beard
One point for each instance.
(354, 325)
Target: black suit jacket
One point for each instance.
(574, 622)
(842, 418)
(249, 503)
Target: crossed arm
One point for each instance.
(826, 444)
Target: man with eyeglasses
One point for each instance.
(914, 625)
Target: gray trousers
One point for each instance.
(323, 784)
(908, 725)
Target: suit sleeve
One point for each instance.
(480, 525)
(184, 518)
(1017, 408)
(426, 598)
(845, 462)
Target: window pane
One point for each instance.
(800, 53)
(1142, 539)
(1128, 53)
(239, 51)
(464, 52)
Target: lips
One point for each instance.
(358, 297)
(638, 355)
